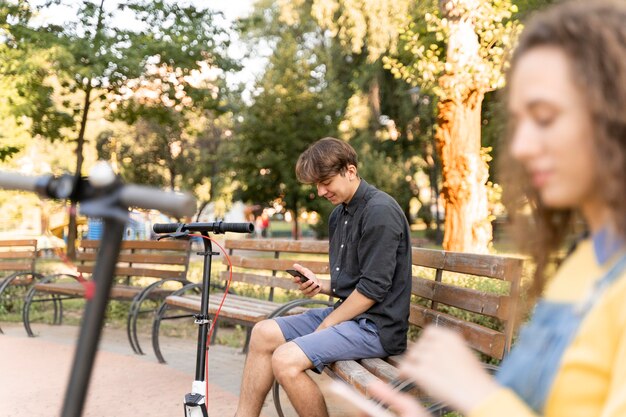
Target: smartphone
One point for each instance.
(363, 403)
(298, 274)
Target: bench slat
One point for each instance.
(18, 242)
(381, 368)
(475, 301)
(353, 373)
(22, 254)
(142, 244)
(466, 263)
(16, 266)
(266, 281)
(483, 339)
(235, 307)
(317, 267)
(276, 245)
(138, 272)
(118, 292)
(140, 258)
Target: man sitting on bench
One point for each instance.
(370, 268)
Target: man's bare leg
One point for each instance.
(289, 365)
(257, 372)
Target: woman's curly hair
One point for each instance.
(593, 36)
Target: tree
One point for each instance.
(104, 56)
(474, 37)
(291, 109)
(27, 107)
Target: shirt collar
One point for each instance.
(605, 245)
(351, 207)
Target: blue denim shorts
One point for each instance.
(345, 341)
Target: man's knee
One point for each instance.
(288, 361)
(266, 336)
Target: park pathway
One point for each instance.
(34, 371)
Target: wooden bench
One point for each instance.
(143, 267)
(476, 295)
(17, 271)
(259, 263)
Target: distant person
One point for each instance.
(259, 229)
(567, 105)
(265, 224)
(370, 268)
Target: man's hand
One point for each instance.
(355, 304)
(309, 288)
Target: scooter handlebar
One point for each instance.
(173, 203)
(215, 227)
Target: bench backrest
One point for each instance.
(141, 258)
(444, 285)
(486, 317)
(263, 261)
(18, 255)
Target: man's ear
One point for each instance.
(352, 172)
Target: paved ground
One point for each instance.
(34, 371)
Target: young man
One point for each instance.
(370, 268)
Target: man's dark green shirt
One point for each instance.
(370, 251)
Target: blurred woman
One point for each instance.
(567, 110)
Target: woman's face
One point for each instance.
(552, 129)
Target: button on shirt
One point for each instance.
(370, 251)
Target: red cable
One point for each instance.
(69, 263)
(217, 313)
(90, 285)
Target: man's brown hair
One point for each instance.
(324, 159)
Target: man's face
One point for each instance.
(339, 188)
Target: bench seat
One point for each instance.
(17, 271)
(475, 295)
(142, 270)
(256, 263)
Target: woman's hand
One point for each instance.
(309, 288)
(402, 404)
(442, 364)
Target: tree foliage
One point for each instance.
(103, 51)
(291, 109)
(27, 107)
(482, 52)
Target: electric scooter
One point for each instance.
(103, 195)
(195, 402)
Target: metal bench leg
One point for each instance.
(26, 312)
(246, 344)
(135, 310)
(8, 280)
(160, 315)
(56, 299)
(276, 396)
(156, 326)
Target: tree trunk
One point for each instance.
(467, 227)
(295, 231)
(72, 232)
(292, 205)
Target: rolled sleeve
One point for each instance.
(377, 251)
